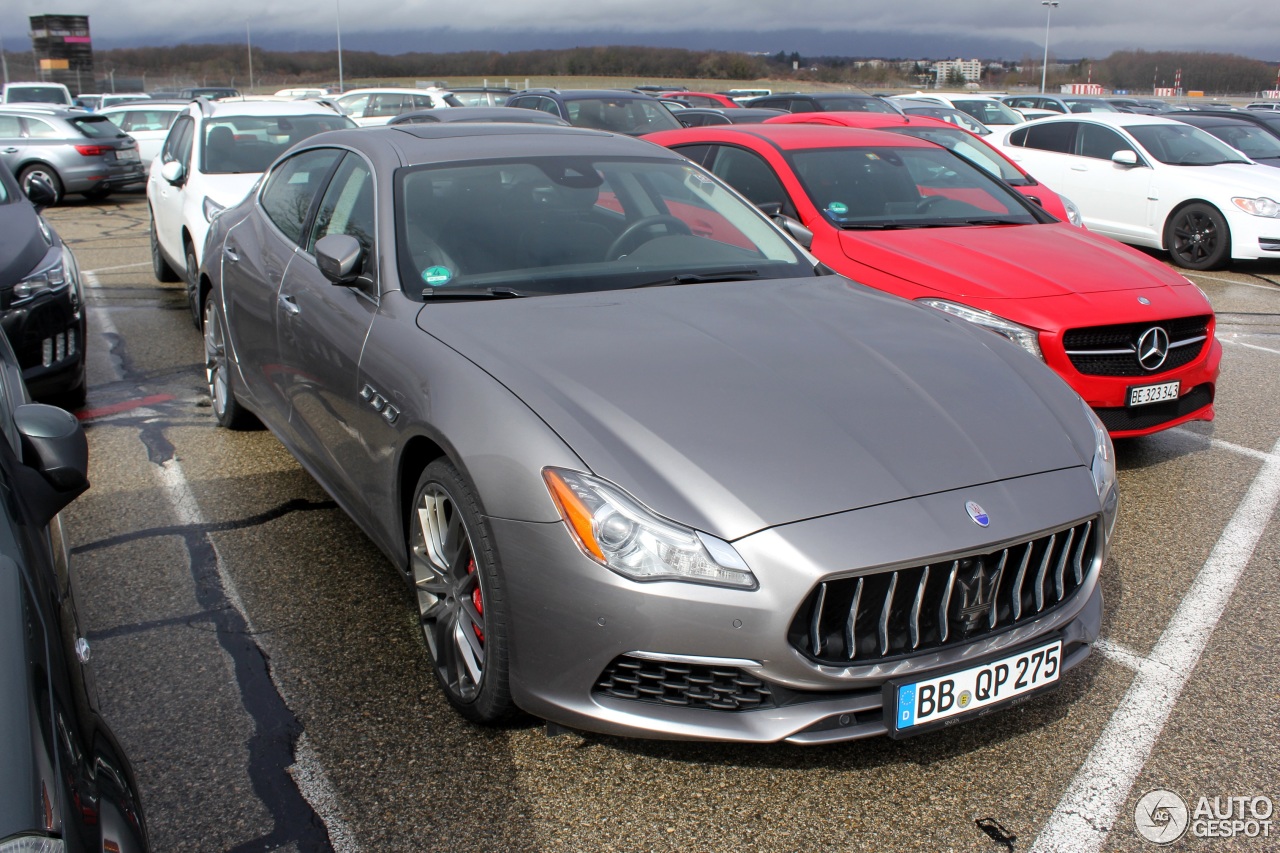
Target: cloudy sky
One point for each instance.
(1009, 29)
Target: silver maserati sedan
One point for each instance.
(647, 467)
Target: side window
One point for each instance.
(347, 208)
(696, 153)
(1100, 142)
(1056, 136)
(799, 106)
(177, 145)
(38, 129)
(750, 175)
(10, 127)
(422, 102)
(549, 106)
(355, 105)
(289, 192)
(1048, 104)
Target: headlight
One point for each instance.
(1258, 206)
(1103, 468)
(1024, 337)
(1074, 216)
(32, 844)
(50, 276)
(621, 534)
(212, 209)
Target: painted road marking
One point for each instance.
(1087, 811)
(1249, 346)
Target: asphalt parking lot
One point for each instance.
(261, 662)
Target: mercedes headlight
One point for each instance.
(623, 535)
(1027, 338)
(1258, 206)
(51, 275)
(1074, 216)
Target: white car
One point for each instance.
(1156, 182)
(147, 122)
(379, 106)
(213, 155)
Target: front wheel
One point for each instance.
(462, 604)
(218, 375)
(1197, 237)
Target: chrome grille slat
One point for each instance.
(851, 624)
(944, 620)
(915, 609)
(1062, 564)
(1077, 565)
(1044, 569)
(883, 615)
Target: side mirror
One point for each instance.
(798, 232)
(172, 172)
(41, 192)
(55, 457)
(338, 256)
(1125, 158)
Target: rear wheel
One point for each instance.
(461, 598)
(39, 170)
(218, 375)
(1197, 237)
(159, 266)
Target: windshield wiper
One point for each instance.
(699, 278)
(471, 293)
(997, 220)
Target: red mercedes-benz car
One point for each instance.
(959, 140)
(1131, 336)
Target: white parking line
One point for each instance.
(1249, 346)
(307, 771)
(1087, 811)
(1272, 287)
(113, 269)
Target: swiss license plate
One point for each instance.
(128, 154)
(921, 705)
(1144, 394)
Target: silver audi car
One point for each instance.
(647, 467)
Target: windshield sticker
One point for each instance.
(700, 182)
(436, 276)
(837, 208)
(871, 155)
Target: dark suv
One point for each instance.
(603, 109)
(816, 102)
(41, 303)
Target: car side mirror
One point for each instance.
(1125, 158)
(41, 192)
(338, 256)
(172, 172)
(796, 230)
(55, 457)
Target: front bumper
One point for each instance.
(572, 620)
(48, 335)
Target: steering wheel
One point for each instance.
(929, 202)
(1190, 156)
(621, 244)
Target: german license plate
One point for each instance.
(918, 706)
(1144, 394)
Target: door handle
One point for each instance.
(230, 251)
(11, 150)
(287, 302)
(1079, 168)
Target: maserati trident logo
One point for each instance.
(1153, 348)
(977, 513)
(977, 596)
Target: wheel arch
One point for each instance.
(419, 452)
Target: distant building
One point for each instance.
(63, 50)
(969, 69)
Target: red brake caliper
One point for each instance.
(476, 599)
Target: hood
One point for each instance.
(229, 190)
(22, 242)
(1007, 261)
(1220, 183)
(738, 406)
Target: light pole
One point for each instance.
(1044, 69)
(337, 8)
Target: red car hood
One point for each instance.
(1007, 261)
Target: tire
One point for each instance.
(25, 176)
(193, 285)
(159, 266)
(461, 598)
(1197, 237)
(222, 392)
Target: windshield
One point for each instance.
(973, 150)
(247, 144)
(574, 224)
(880, 187)
(1183, 145)
(987, 111)
(621, 115)
(36, 95)
(1089, 105)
